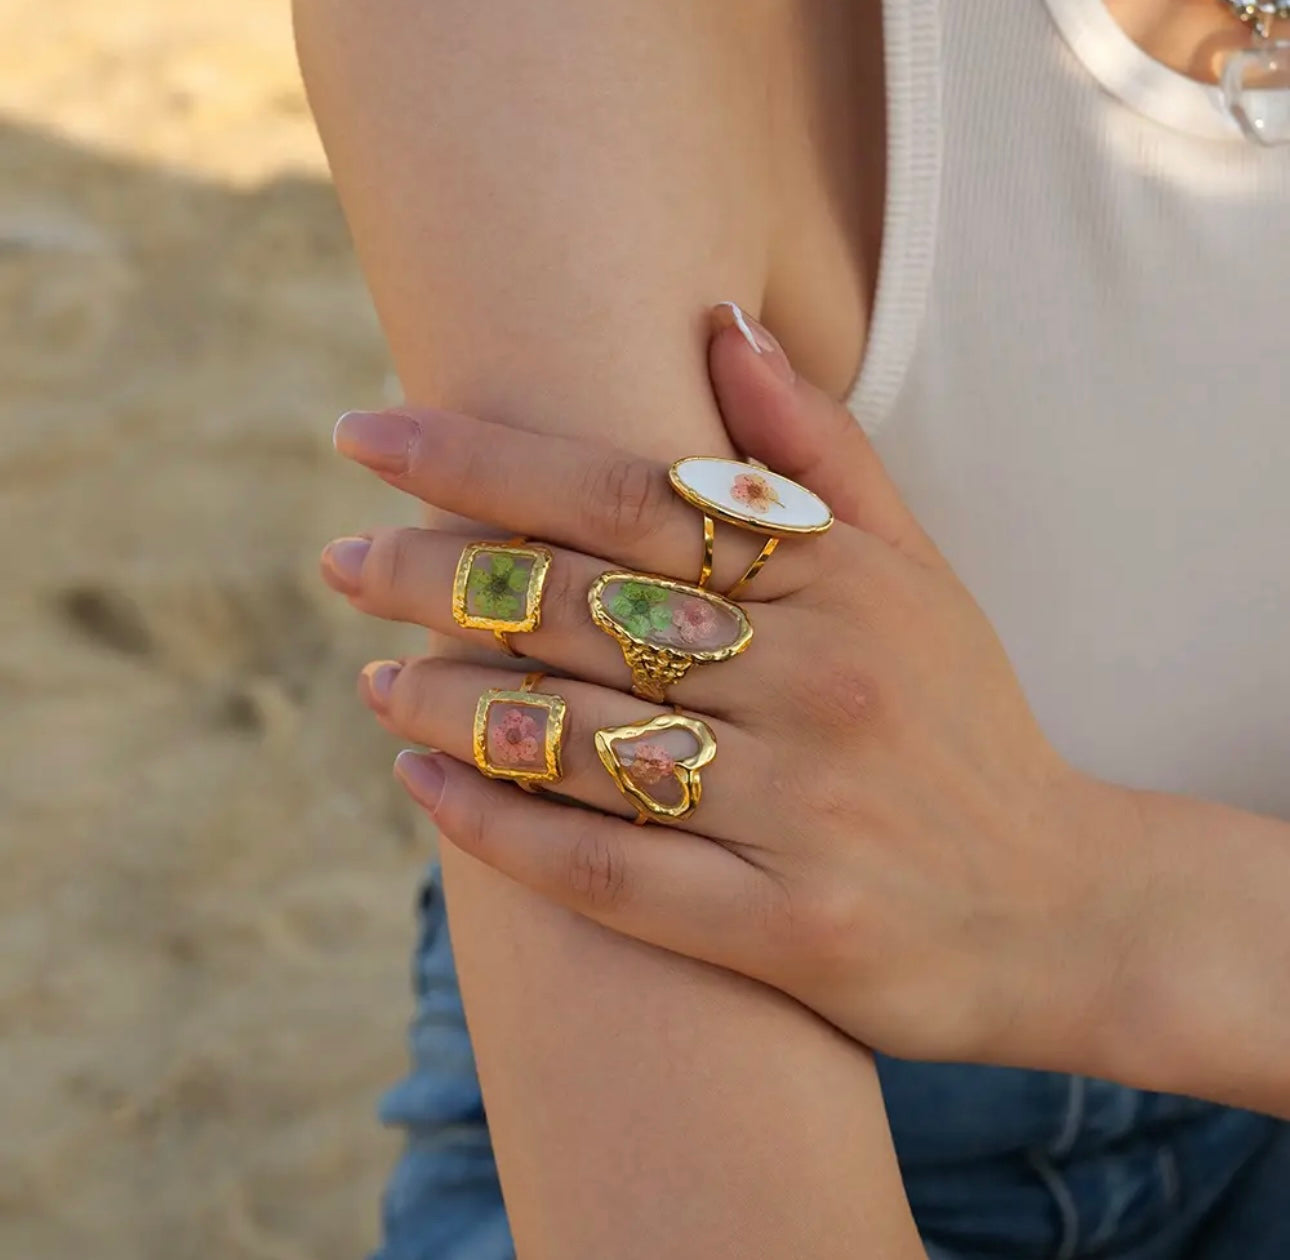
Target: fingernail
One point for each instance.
(343, 559)
(380, 676)
(379, 440)
(422, 776)
(727, 314)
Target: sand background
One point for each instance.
(206, 872)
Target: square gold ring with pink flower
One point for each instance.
(518, 736)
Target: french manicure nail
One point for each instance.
(422, 776)
(727, 314)
(379, 440)
(344, 560)
(380, 680)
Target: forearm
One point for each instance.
(1201, 995)
(545, 200)
(644, 1105)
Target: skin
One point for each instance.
(886, 835)
(1190, 36)
(577, 307)
(430, 114)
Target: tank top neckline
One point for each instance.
(1144, 84)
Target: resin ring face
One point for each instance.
(749, 497)
(519, 735)
(499, 586)
(656, 764)
(665, 627)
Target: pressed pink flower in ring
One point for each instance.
(755, 492)
(651, 763)
(514, 740)
(694, 621)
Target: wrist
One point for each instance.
(1119, 937)
(1196, 1001)
(1083, 975)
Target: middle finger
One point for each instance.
(408, 575)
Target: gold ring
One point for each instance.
(709, 546)
(519, 735)
(657, 764)
(749, 497)
(499, 586)
(665, 627)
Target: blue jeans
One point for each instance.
(997, 1162)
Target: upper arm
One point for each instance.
(546, 197)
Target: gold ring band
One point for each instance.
(664, 628)
(768, 550)
(657, 764)
(709, 546)
(519, 735)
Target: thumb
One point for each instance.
(795, 428)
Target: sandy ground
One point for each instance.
(206, 871)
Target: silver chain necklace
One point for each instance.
(1259, 14)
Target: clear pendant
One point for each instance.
(1256, 90)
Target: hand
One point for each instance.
(886, 834)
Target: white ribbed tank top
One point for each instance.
(1079, 372)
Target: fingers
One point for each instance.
(664, 886)
(794, 427)
(408, 575)
(433, 701)
(577, 494)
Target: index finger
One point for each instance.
(578, 494)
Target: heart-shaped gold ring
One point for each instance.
(656, 764)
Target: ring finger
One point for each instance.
(433, 701)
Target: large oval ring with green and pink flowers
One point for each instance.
(664, 627)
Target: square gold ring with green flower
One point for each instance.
(499, 586)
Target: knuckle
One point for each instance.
(842, 691)
(861, 594)
(564, 600)
(828, 926)
(410, 695)
(482, 468)
(624, 498)
(597, 872)
(470, 829)
(388, 571)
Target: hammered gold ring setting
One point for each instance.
(519, 735)
(498, 587)
(657, 764)
(664, 628)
